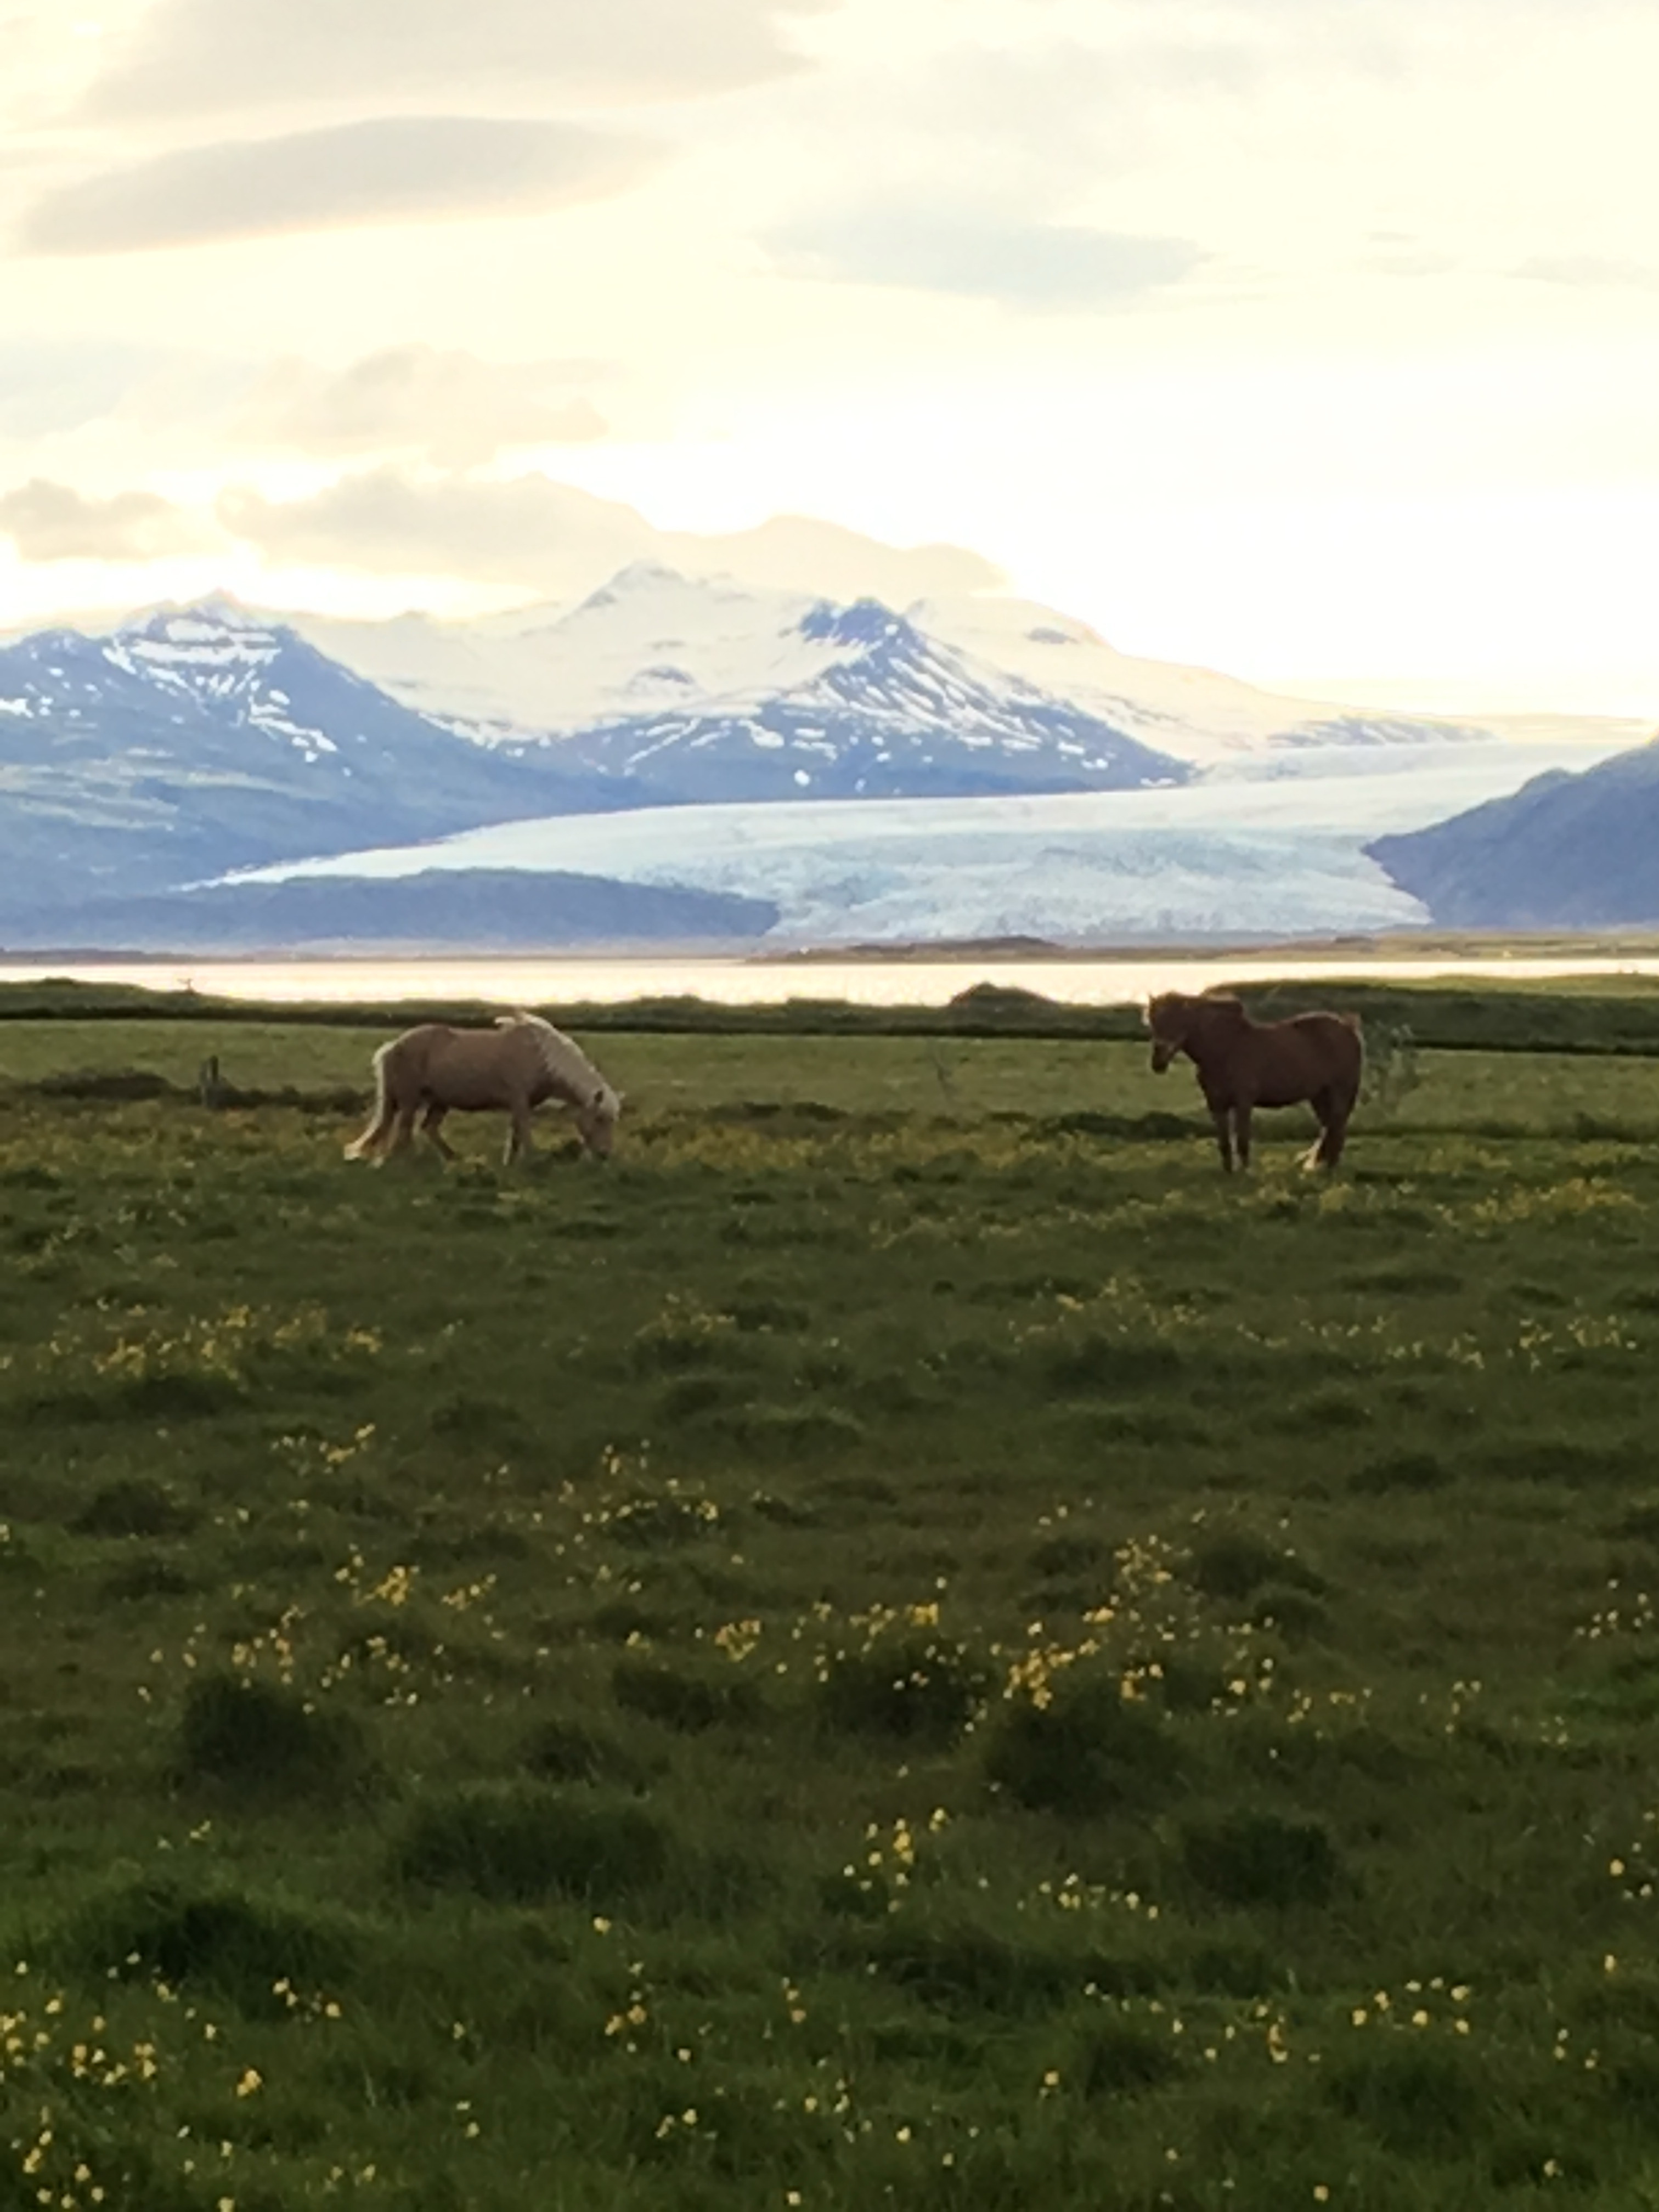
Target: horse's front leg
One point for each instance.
(1242, 1127)
(1223, 1136)
(518, 1136)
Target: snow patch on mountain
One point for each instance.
(652, 641)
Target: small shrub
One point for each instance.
(1260, 1858)
(686, 1703)
(1088, 1750)
(920, 1686)
(1391, 1072)
(265, 1739)
(521, 1844)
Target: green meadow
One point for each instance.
(904, 1643)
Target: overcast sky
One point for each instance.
(1309, 339)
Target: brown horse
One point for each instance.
(433, 1071)
(1242, 1064)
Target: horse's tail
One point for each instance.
(380, 1122)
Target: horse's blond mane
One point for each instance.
(568, 1065)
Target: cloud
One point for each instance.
(1587, 270)
(397, 169)
(48, 385)
(204, 57)
(449, 406)
(48, 521)
(1023, 264)
(543, 537)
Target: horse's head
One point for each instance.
(1167, 1019)
(596, 1120)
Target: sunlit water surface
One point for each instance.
(732, 982)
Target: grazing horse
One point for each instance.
(1242, 1064)
(433, 1071)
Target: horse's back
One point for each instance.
(1334, 1042)
(1282, 1063)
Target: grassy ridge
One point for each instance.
(905, 1642)
(1612, 1015)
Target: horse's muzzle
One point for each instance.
(1163, 1054)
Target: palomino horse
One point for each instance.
(433, 1071)
(1243, 1064)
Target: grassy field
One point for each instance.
(906, 1643)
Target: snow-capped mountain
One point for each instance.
(973, 768)
(703, 690)
(653, 644)
(195, 740)
(884, 713)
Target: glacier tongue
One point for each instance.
(1265, 855)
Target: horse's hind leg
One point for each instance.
(1336, 1129)
(432, 1122)
(1242, 1126)
(1334, 1107)
(402, 1131)
(1324, 1104)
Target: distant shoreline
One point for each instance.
(1473, 944)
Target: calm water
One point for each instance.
(752, 982)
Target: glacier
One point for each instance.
(1271, 848)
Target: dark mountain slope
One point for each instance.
(462, 910)
(1566, 852)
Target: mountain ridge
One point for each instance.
(1569, 849)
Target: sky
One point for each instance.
(1315, 341)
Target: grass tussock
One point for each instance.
(266, 1742)
(1087, 1750)
(521, 1844)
